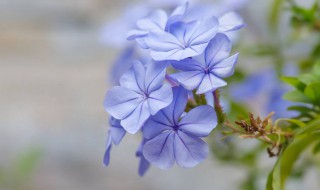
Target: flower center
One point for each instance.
(206, 70)
(145, 96)
(175, 127)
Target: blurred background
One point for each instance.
(54, 67)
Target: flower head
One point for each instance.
(171, 138)
(206, 71)
(141, 93)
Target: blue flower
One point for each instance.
(171, 138)
(141, 93)
(206, 71)
(115, 135)
(171, 38)
(183, 34)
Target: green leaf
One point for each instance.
(316, 67)
(295, 122)
(274, 13)
(27, 161)
(296, 96)
(284, 165)
(308, 78)
(312, 91)
(312, 126)
(316, 149)
(293, 81)
(301, 109)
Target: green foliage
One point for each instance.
(307, 88)
(305, 16)
(306, 137)
(17, 176)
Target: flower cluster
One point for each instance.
(183, 53)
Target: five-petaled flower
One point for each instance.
(171, 138)
(206, 71)
(141, 93)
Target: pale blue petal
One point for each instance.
(117, 132)
(177, 15)
(174, 54)
(209, 98)
(159, 150)
(157, 20)
(204, 30)
(177, 106)
(162, 41)
(156, 125)
(137, 118)
(180, 10)
(225, 68)
(134, 34)
(120, 102)
(199, 122)
(210, 83)
(189, 79)
(140, 72)
(230, 21)
(187, 65)
(143, 163)
(142, 43)
(189, 150)
(128, 80)
(159, 99)
(218, 49)
(181, 29)
(106, 157)
(155, 75)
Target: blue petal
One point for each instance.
(210, 83)
(180, 10)
(189, 150)
(143, 163)
(230, 22)
(155, 75)
(159, 150)
(137, 118)
(225, 68)
(128, 80)
(162, 41)
(106, 157)
(159, 99)
(203, 31)
(157, 20)
(189, 79)
(178, 104)
(134, 34)
(188, 65)
(120, 101)
(199, 122)
(218, 49)
(117, 132)
(174, 54)
(156, 125)
(140, 72)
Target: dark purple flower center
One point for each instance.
(175, 127)
(206, 70)
(145, 95)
